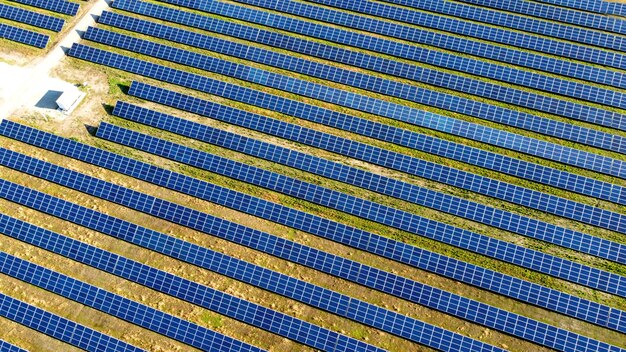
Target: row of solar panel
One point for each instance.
(581, 159)
(499, 53)
(60, 328)
(31, 18)
(434, 77)
(324, 299)
(501, 190)
(206, 297)
(390, 159)
(598, 6)
(492, 34)
(7, 347)
(553, 13)
(347, 269)
(60, 6)
(23, 36)
(517, 22)
(437, 58)
(359, 80)
(471, 274)
(360, 178)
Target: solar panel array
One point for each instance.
(492, 34)
(513, 118)
(32, 18)
(58, 327)
(433, 77)
(307, 111)
(385, 185)
(7, 347)
(491, 280)
(23, 36)
(512, 193)
(60, 6)
(316, 296)
(437, 58)
(208, 298)
(516, 22)
(371, 277)
(560, 14)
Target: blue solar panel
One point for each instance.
(107, 302)
(471, 274)
(554, 13)
(359, 80)
(497, 189)
(23, 36)
(357, 177)
(60, 6)
(7, 347)
(58, 327)
(422, 294)
(31, 18)
(439, 78)
(599, 6)
(291, 107)
(363, 208)
(512, 21)
(307, 293)
(493, 34)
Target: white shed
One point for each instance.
(69, 99)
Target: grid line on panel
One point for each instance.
(330, 301)
(107, 302)
(60, 6)
(501, 190)
(360, 178)
(23, 36)
(31, 18)
(493, 34)
(490, 280)
(60, 328)
(599, 6)
(554, 13)
(479, 88)
(509, 117)
(376, 212)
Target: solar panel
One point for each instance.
(554, 13)
(60, 328)
(107, 302)
(398, 251)
(302, 291)
(513, 118)
(291, 107)
(23, 36)
(7, 347)
(604, 7)
(513, 21)
(377, 279)
(357, 177)
(31, 18)
(494, 34)
(60, 6)
(438, 78)
(497, 189)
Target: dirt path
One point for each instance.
(32, 84)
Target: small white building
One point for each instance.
(69, 99)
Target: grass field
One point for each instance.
(106, 86)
